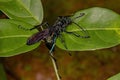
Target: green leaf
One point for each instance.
(103, 27)
(13, 39)
(29, 11)
(115, 77)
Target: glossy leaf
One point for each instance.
(115, 77)
(29, 11)
(103, 27)
(13, 39)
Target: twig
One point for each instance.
(55, 66)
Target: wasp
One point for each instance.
(51, 34)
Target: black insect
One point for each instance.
(50, 34)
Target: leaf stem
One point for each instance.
(55, 67)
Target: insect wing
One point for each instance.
(38, 36)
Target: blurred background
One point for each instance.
(83, 65)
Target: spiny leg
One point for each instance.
(77, 35)
(64, 43)
(84, 31)
(81, 14)
(54, 40)
(43, 24)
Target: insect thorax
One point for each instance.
(60, 24)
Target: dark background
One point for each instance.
(85, 65)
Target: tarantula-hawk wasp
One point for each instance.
(50, 34)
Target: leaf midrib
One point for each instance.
(28, 10)
(15, 36)
(95, 29)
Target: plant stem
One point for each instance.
(55, 67)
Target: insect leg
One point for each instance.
(84, 31)
(53, 58)
(51, 51)
(64, 43)
(81, 14)
(43, 24)
(54, 40)
(77, 35)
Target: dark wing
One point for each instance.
(37, 37)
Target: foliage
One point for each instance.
(115, 77)
(26, 13)
(102, 25)
(103, 28)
